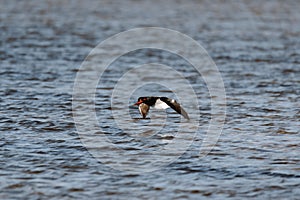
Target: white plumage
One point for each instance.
(159, 104)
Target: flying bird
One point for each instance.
(144, 104)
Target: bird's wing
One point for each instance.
(176, 106)
(144, 108)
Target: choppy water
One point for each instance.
(254, 44)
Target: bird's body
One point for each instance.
(144, 104)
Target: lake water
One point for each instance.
(254, 44)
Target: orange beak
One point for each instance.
(138, 103)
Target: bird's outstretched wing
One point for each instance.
(144, 108)
(175, 106)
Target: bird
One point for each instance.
(144, 104)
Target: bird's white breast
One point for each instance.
(159, 104)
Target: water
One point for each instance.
(254, 44)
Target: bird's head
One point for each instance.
(141, 100)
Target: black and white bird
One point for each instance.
(144, 104)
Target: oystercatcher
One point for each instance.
(144, 104)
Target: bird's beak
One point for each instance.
(138, 103)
